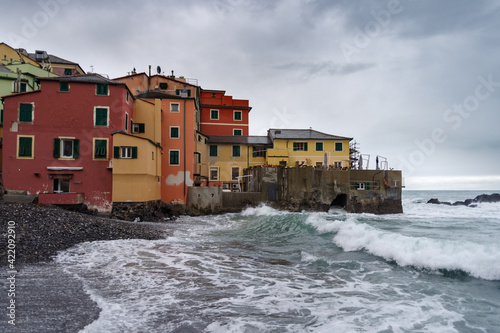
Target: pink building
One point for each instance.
(58, 142)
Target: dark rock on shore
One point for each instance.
(495, 197)
(41, 231)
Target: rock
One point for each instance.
(495, 197)
(43, 230)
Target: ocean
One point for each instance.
(434, 268)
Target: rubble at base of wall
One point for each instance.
(151, 211)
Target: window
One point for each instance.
(237, 115)
(102, 90)
(163, 85)
(258, 151)
(213, 150)
(300, 146)
(63, 86)
(1, 116)
(68, 71)
(66, 148)
(235, 173)
(319, 164)
(126, 122)
(338, 146)
(127, 96)
(174, 131)
(100, 148)
(182, 92)
(124, 152)
(25, 146)
(174, 107)
(214, 114)
(174, 157)
(214, 173)
(319, 146)
(138, 128)
(26, 113)
(101, 116)
(61, 185)
(22, 87)
(236, 151)
(237, 132)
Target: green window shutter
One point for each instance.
(213, 150)
(22, 87)
(102, 89)
(25, 147)
(305, 146)
(100, 148)
(338, 146)
(57, 148)
(68, 71)
(237, 115)
(174, 157)
(367, 186)
(174, 132)
(319, 146)
(254, 151)
(236, 151)
(64, 86)
(142, 128)
(76, 148)
(295, 146)
(134, 152)
(26, 113)
(116, 152)
(101, 117)
(126, 122)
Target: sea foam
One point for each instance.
(477, 260)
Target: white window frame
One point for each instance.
(95, 116)
(216, 169)
(125, 152)
(178, 107)
(234, 115)
(237, 129)
(179, 156)
(239, 173)
(218, 114)
(61, 153)
(59, 185)
(178, 132)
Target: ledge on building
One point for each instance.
(61, 198)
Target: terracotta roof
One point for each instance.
(302, 134)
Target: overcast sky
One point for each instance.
(417, 82)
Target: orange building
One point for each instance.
(223, 115)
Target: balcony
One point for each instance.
(61, 198)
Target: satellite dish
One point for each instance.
(158, 69)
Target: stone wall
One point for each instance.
(370, 191)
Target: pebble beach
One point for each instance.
(45, 295)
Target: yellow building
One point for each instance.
(136, 160)
(228, 156)
(307, 147)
